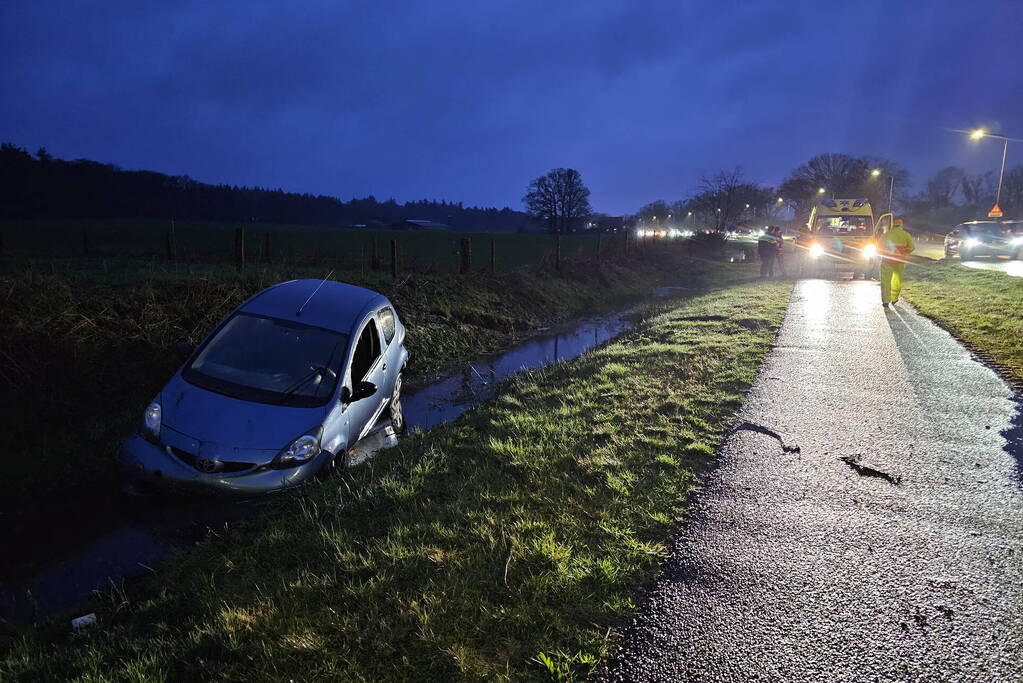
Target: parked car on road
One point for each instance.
(985, 238)
(276, 394)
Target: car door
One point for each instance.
(367, 365)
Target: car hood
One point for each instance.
(217, 419)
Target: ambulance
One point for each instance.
(840, 237)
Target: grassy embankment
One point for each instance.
(505, 545)
(84, 347)
(984, 309)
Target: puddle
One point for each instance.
(149, 530)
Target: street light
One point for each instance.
(780, 200)
(891, 185)
(980, 134)
(820, 190)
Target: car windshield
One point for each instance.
(990, 229)
(842, 225)
(269, 360)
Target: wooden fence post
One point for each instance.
(466, 251)
(239, 248)
(394, 259)
(493, 255)
(171, 247)
(557, 253)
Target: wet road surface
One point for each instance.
(1012, 267)
(888, 546)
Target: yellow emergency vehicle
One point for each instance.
(840, 236)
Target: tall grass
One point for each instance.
(506, 545)
(85, 345)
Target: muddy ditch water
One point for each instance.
(145, 531)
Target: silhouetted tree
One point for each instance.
(559, 199)
(841, 175)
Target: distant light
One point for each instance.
(876, 172)
(978, 134)
(820, 190)
(780, 200)
(690, 213)
(747, 206)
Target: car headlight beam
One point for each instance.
(869, 251)
(971, 241)
(816, 250)
(152, 418)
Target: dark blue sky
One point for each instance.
(470, 100)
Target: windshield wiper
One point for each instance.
(317, 371)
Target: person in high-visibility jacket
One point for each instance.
(896, 245)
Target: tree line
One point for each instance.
(727, 199)
(40, 186)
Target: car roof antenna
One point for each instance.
(298, 313)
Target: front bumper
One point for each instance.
(147, 465)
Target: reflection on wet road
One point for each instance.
(148, 531)
(1012, 267)
(888, 548)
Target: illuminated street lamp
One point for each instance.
(820, 190)
(891, 186)
(780, 200)
(980, 134)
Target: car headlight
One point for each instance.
(1016, 241)
(151, 420)
(816, 250)
(869, 251)
(971, 241)
(300, 451)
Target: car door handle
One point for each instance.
(384, 368)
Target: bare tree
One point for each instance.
(841, 175)
(1012, 190)
(558, 199)
(977, 189)
(942, 187)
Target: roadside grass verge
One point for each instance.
(983, 309)
(86, 344)
(508, 544)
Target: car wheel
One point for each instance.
(397, 414)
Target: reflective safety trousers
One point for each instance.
(891, 281)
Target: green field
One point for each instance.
(290, 245)
(507, 545)
(87, 342)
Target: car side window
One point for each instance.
(386, 318)
(367, 350)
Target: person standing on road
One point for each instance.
(895, 246)
(779, 256)
(767, 250)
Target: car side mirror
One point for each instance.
(184, 348)
(362, 390)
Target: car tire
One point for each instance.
(394, 408)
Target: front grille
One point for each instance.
(220, 468)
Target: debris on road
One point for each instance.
(766, 431)
(868, 471)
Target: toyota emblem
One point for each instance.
(207, 465)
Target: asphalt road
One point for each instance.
(799, 566)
